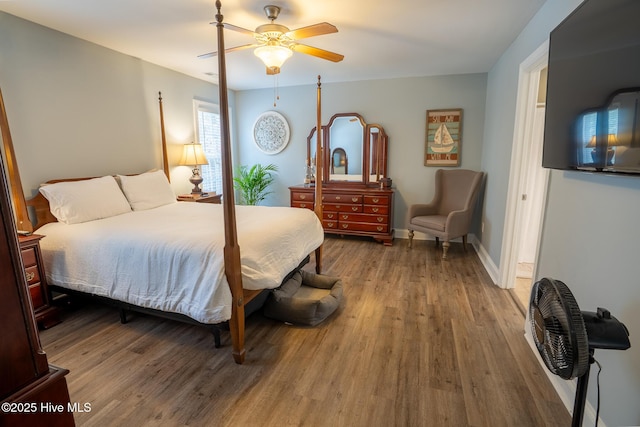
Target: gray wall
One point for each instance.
(589, 237)
(398, 105)
(78, 109)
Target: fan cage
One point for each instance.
(558, 329)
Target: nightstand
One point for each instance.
(207, 198)
(46, 314)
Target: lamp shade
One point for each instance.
(193, 155)
(612, 141)
(273, 56)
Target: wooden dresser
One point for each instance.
(32, 392)
(359, 211)
(46, 314)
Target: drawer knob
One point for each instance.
(375, 210)
(30, 276)
(354, 208)
(303, 196)
(345, 217)
(380, 219)
(376, 200)
(345, 226)
(330, 216)
(354, 199)
(380, 228)
(303, 205)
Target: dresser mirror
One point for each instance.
(377, 152)
(355, 152)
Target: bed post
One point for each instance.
(231, 248)
(17, 194)
(165, 158)
(317, 208)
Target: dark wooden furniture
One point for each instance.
(199, 198)
(46, 314)
(355, 211)
(358, 199)
(27, 381)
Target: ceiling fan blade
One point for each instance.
(312, 30)
(320, 53)
(238, 29)
(231, 49)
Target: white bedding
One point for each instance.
(171, 257)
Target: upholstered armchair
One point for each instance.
(449, 214)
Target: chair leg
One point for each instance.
(445, 248)
(464, 242)
(410, 238)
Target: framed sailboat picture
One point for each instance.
(443, 137)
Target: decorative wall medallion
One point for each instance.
(271, 132)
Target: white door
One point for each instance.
(527, 179)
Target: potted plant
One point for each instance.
(252, 183)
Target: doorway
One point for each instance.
(527, 181)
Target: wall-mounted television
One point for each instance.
(592, 116)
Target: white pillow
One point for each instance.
(73, 202)
(147, 190)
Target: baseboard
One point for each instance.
(487, 262)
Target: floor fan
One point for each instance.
(566, 337)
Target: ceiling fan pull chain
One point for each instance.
(276, 95)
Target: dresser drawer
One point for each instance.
(304, 205)
(29, 257)
(376, 200)
(342, 198)
(33, 276)
(362, 226)
(302, 197)
(341, 208)
(376, 209)
(372, 219)
(35, 291)
(331, 216)
(329, 224)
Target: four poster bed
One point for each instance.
(151, 253)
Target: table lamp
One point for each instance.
(193, 156)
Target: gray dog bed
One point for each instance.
(305, 299)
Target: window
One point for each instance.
(589, 129)
(207, 124)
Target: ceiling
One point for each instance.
(380, 40)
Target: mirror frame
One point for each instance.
(373, 151)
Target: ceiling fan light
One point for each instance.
(273, 56)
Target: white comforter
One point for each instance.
(171, 258)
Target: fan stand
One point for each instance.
(581, 393)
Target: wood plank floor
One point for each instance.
(417, 341)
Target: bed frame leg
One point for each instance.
(123, 316)
(319, 260)
(216, 336)
(236, 328)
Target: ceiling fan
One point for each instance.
(275, 43)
